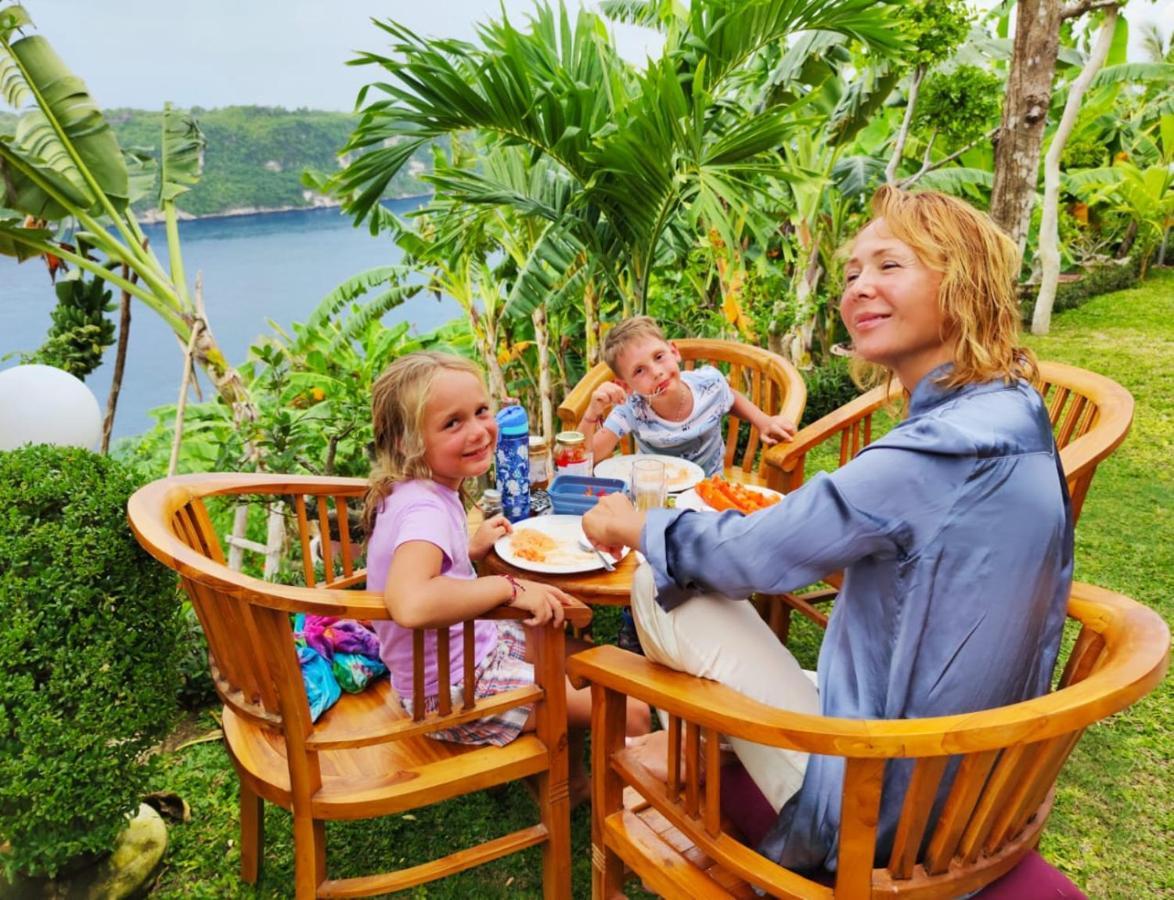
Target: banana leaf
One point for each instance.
(182, 154)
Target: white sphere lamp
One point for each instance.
(46, 405)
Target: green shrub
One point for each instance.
(829, 387)
(88, 627)
(1104, 278)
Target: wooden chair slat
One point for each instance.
(470, 665)
(674, 757)
(418, 674)
(692, 768)
(1000, 784)
(713, 801)
(324, 540)
(304, 537)
(344, 536)
(1056, 403)
(859, 811)
(969, 781)
(443, 681)
(1085, 653)
(1076, 411)
(919, 798)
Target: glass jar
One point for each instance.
(539, 463)
(490, 502)
(572, 456)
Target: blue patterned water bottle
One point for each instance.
(513, 462)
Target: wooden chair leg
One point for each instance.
(252, 815)
(309, 856)
(555, 802)
(608, 718)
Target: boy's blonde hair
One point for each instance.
(627, 332)
(978, 295)
(398, 400)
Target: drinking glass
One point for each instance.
(648, 484)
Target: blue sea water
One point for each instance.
(274, 266)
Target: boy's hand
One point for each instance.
(777, 428)
(486, 536)
(544, 602)
(606, 396)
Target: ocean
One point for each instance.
(270, 266)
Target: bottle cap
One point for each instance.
(537, 442)
(512, 420)
(570, 437)
(491, 497)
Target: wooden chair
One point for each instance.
(675, 839)
(364, 757)
(770, 381)
(1090, 416)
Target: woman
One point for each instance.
(953, 531)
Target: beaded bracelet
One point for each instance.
(514, 586)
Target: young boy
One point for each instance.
(668, 411)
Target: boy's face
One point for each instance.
(648, 366)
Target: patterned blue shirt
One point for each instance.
(954, 532)
(698, 438)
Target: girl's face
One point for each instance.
(890, 306)
(460, 432)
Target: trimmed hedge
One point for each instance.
(1113, 275)
(88, 629)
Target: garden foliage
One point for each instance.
(88, 627)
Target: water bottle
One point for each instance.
(513, 462)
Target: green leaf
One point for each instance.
(14, 237)
(66, 133)
(1133, 73)
(1118, 49)
(953, 180)
(856, 175)
(141, 169)
(181, 155)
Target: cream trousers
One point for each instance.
(725, 640)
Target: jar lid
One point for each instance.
(491, 495)
(570, 437)
(537, 442)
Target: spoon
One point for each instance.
(587, 545)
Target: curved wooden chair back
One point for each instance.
(364, 757)
(773, 384)
(1090, 416)
(996, 768)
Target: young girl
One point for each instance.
(433, 429)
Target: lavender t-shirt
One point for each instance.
(423, 511)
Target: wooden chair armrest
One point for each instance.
(574, 405)
(786, 456)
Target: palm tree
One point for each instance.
(641, 154)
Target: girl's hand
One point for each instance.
(544, 602)
(613, 523)
(605, 396)
(486, 536)
(777, 428)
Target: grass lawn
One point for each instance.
(1110, 830)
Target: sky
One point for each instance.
(290, 53)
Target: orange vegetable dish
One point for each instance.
(722, 495)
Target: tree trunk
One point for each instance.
(545, 393)
(590, 325)
(903, 134)
(119, 360)
(1025, 114)
(1049, 232)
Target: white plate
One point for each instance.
(681, 474)
(692, 500)
(565, 558)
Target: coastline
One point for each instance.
(156, 217)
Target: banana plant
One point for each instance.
(62, 165)
(644, 152)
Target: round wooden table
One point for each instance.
(598, 587)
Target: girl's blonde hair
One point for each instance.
(398, 400)
(978, 296)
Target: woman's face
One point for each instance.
(890, 306)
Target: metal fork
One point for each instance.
(607, 563)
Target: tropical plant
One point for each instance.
(62, 165)
(79, 331)
(646, 155)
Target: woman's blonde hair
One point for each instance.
(398, 400)
(978, 296)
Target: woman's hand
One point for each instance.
(613, 523)
(486, 536)
(544, 602)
